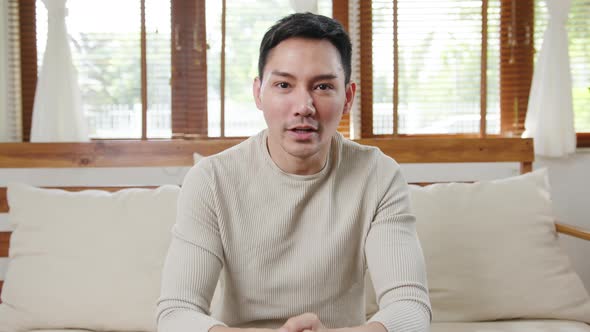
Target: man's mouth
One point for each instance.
(303, 130)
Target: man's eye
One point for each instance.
(283, 85)
(323, 86)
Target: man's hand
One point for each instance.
(308, 322)
(219, 328)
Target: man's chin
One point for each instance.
(303, 150)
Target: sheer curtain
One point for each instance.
(57, 111)
(302, 6)
(550, 118)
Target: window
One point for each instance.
(440, 67)
(108, 57)
(436, 67)
(453, 67)
(188, 94)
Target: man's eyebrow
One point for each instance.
(282, 73)
(315, 78)
(325, 77)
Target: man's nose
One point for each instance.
(304, 104)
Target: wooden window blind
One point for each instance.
(28, 62)
(10, 126)
(516, 63)
(355, 36)
(189, 69)
(490, 78)
(340, 13)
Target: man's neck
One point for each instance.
(298, 166)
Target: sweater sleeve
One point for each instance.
(194, 259)
(395, 259)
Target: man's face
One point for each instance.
(303, 97)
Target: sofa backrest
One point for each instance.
(180, 153)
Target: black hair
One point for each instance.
(307, 25)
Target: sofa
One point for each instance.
(91, 259)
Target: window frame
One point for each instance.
(517, 16)
(190, 105)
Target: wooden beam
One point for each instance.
(4, 243)
(3, 200)
(366, 67)
(108, 153)
(455, 150)
(180, 152)
(583, 140)
(572, 230)
(526, 167)
(28, 62)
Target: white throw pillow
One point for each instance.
(86, 260)
(492, 252)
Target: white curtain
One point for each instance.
(57, 111)
(302, 6)
(550, 118)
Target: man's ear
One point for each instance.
(256, 88)
(350, 93)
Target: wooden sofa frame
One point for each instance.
(180, 153)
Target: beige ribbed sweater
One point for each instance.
(283, 244)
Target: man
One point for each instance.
(290, 219)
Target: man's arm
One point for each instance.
(395, 259)
(194, 259)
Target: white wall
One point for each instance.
(570, 189)
(570, 181)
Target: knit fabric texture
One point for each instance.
(280, 245)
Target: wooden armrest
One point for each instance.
(572, 230)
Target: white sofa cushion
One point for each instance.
(513, 326)
(86, 260)
(499, 326)
(492, 252)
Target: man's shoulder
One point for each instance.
(353, 152)
(240, 155)
(354, 148)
